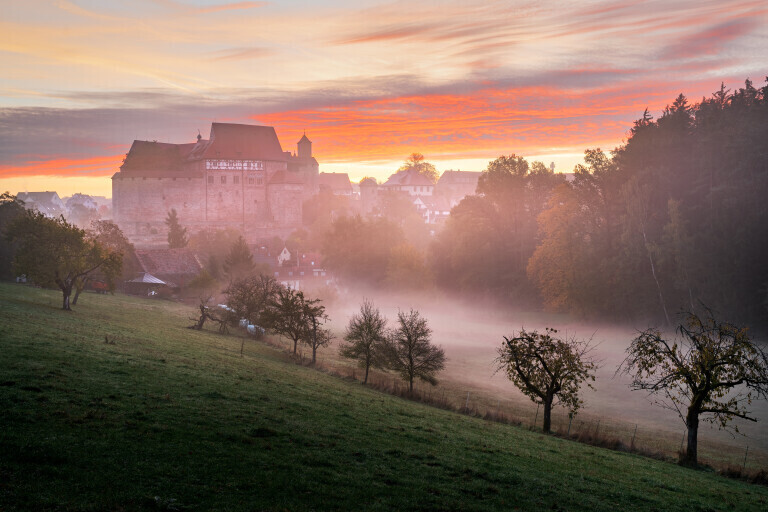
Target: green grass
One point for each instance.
(172, 419)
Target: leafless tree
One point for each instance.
(409, 351)
(366, 335)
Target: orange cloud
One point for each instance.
(44, 165)
(479, 124)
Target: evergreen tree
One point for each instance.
(177, 235)
(239, 261)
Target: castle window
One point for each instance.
(236, 179)
(251, 180)
(210, 180)
(259, 181)
(223, 180)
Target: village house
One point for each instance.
(47, 203)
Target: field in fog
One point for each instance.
(471, 334)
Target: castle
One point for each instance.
(239, 177)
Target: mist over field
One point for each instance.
(472, 333)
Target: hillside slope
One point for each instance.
(167, 418)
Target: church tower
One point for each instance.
(305, 147)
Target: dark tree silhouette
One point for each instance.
(53, 251)
(711, 368)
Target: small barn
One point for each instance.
(176, 267)
(144, 284)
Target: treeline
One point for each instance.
(674, 218)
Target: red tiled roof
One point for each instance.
(243, 141)
(168, 262)
(155, 156)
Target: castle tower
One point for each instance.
(305, 147)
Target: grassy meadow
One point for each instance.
(167, 418)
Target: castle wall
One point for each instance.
(285, 204)
(141, 204)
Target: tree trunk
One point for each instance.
(78, 289)
(295, 342)
(66, 291)
(410, 385)
(365, 379)
(77, 295)
(692, 422)
(314, 340)
(547, 415)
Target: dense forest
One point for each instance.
(675, 218)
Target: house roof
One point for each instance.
(410, 177)
(168, 262)
(304, 139)
(243, 142)
(47, 203)
(39, 197)
(147, 278)
(336, 181)
(286, 178)
(368, 182)
(155, 156)
(459, 177)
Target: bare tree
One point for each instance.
(409, 351)
(250, 297)
(547, 369)
(294, 316)
(365, 336)
(711, 368)
(314, 316)
(206, 314)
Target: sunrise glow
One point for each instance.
(369, 82)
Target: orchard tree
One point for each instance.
(290, 314)
(11, 208)
(53, 251)
(366, 336)
(251, 297)
(177, 235)
(547, 369)
(409, 351)
(314, 317)
(109, 236)
(711, 368)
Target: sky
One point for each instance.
(370, 82)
